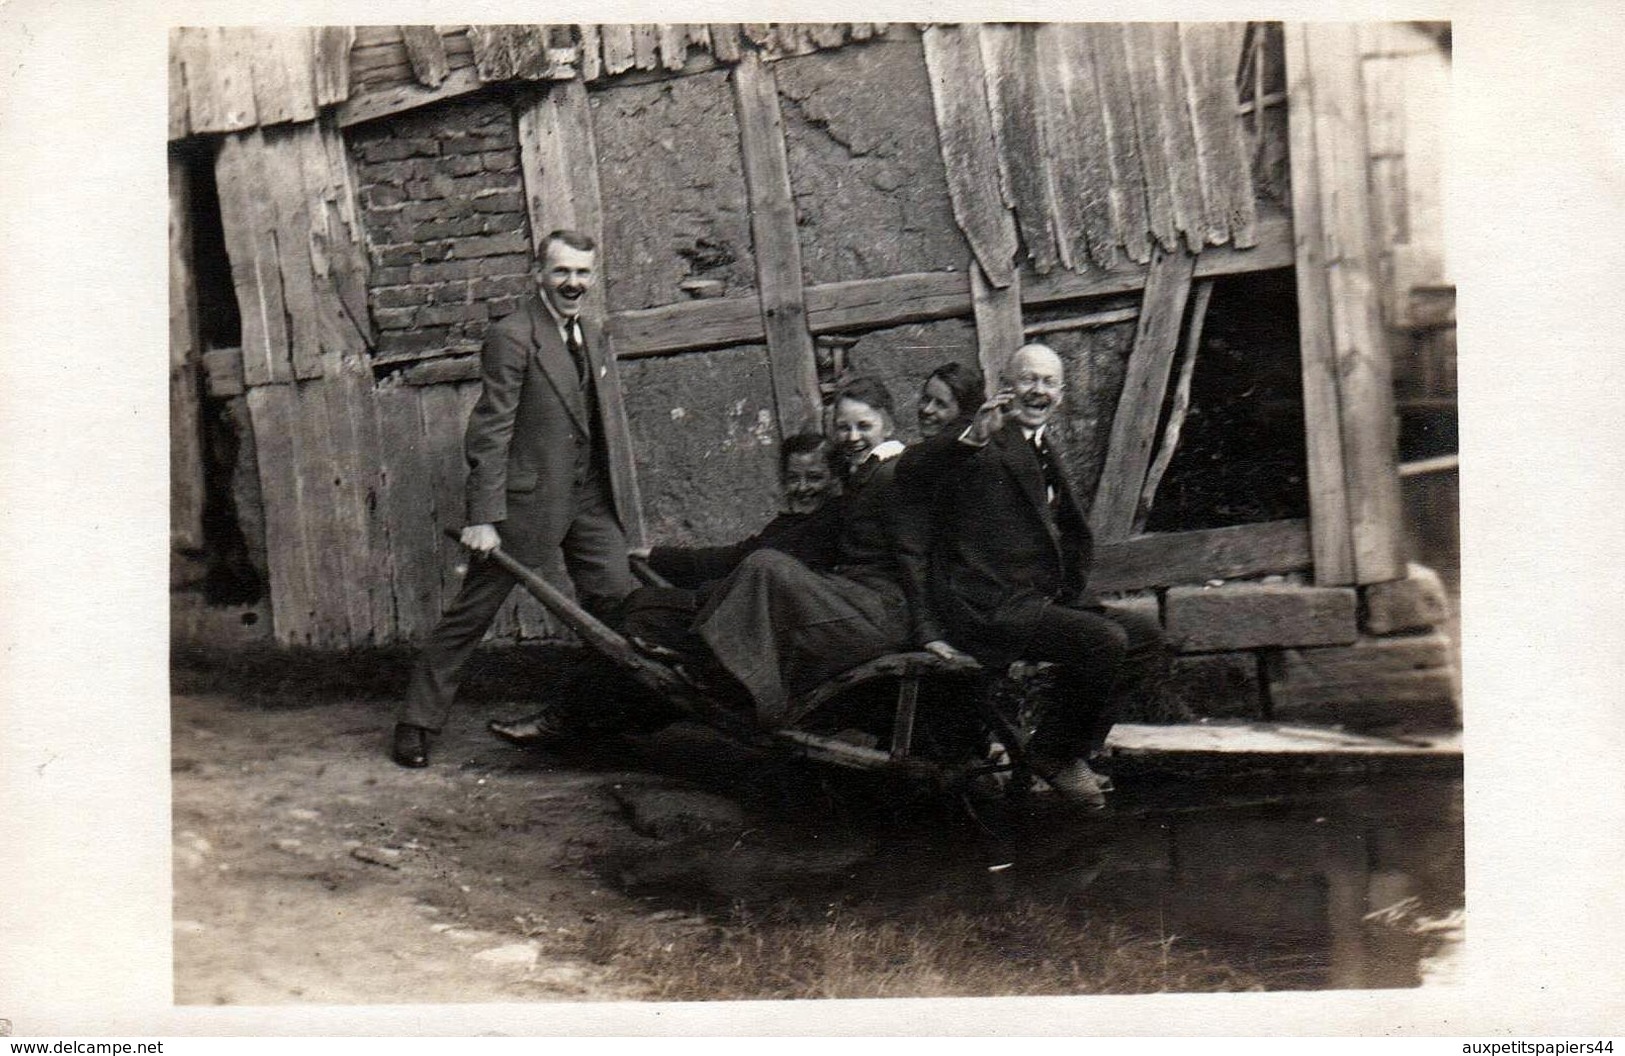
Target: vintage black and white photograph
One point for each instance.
(699, 512)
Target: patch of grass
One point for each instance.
(1025, 949)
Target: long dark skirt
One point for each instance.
(782, 629)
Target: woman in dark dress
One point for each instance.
(781, 628)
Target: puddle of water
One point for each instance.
(1312, 883)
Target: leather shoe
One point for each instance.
(535, 731)
(411, 745)
(1078, 784)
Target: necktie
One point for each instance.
(577, 350)
(1051, 471)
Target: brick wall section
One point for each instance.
(444, 210)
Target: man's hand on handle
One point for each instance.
(943, 650)
(481, 538)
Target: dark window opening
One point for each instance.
(230, 575)
(1242, 457)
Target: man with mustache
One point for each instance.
(549, 463)
(1011, 562)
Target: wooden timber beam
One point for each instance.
(1168, 558)
(1348, 375)
(186, 488)
(796, 395)
(869, 304)
(1134, 426)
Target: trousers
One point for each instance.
(589, 563)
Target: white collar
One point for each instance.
(884, 450)
(1033, 436)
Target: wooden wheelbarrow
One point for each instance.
(907, 670)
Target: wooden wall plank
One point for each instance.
(1364, 368)
(426, 52)
(179, 121)
(1074, 137)
(1155, 162)
(292, 582)
(529, 48)
(592, 57)
(249, 222)
(1134, 426)
(1328, 496)
(620, 51)
(443, 423)
(672, 38)
(998, 323)
(699, 36)
(493, 57)
(796, 395)
(338, 246)
(1007, 60)
(1178, 408)
(953, 59)
(645, 45)
(1171, 558)
(220, 94)
(1174, 120)
(1210, 52)
(284, 87)
(351, 409)
(407, 511)
(725, 41)
(281, 178)
(332, 66)
(1129, 207)
(186, 487)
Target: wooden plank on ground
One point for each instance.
(620, 52)
(1167, 559)
(292, 583)
(1008, 65)
(998, 323)
(1210, 51)
(1134, 426)
(186, 486)
(332, 65)
(1130, 217)
(778, 251)
(1328, 495)
(1364, 367)
(1154, 150)
(953, 59)
(426, 51)
(248, 218)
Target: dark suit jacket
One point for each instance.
(1000, 554)
(532, 416)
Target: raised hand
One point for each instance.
(989, 418)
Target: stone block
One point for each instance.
(1255, 615)
(1374, 682)
(1416, 603)
(1220, 685)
